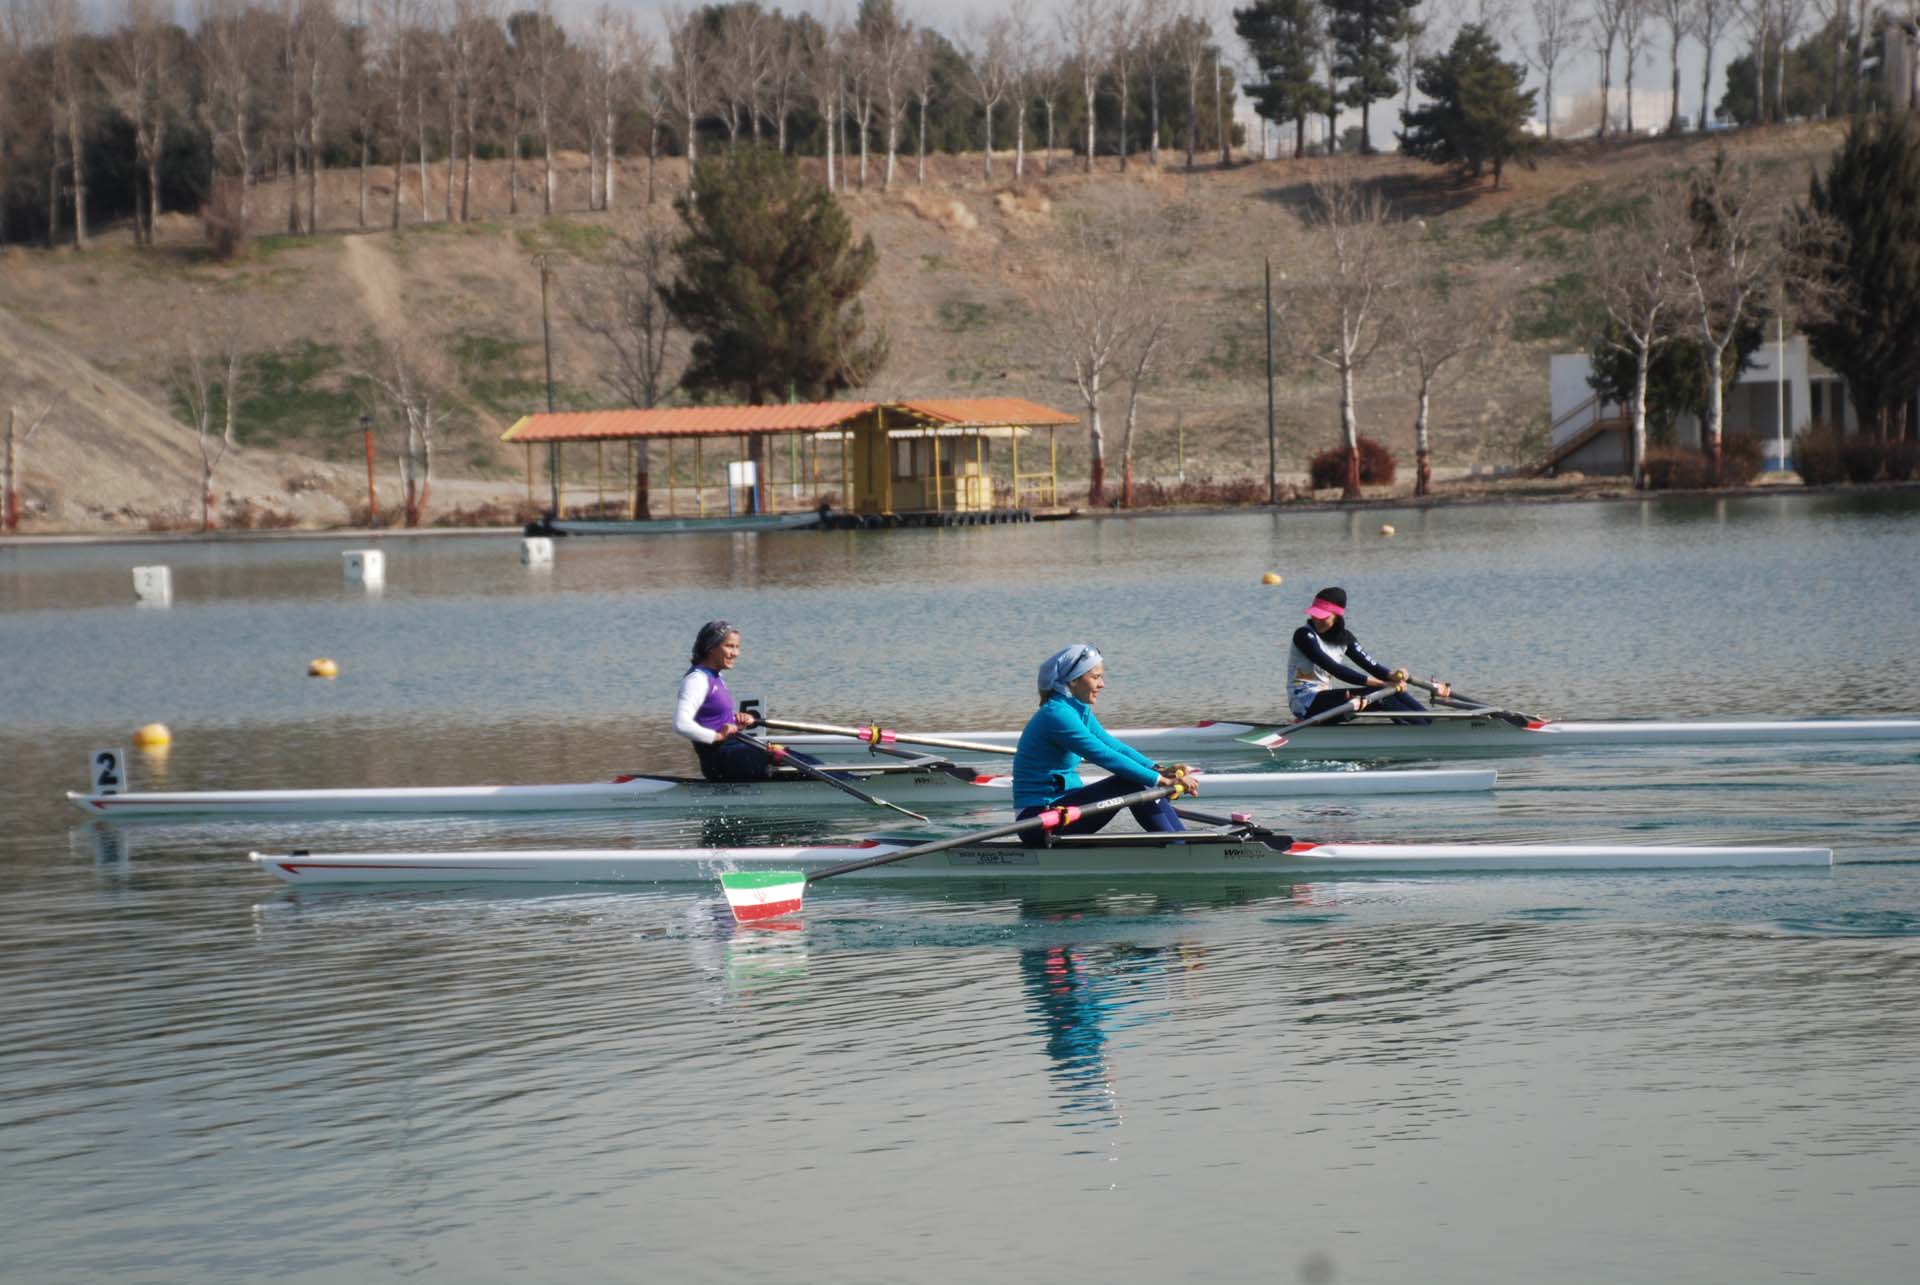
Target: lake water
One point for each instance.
(1709, 1077)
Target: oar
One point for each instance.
(768, 894)
(1457, 701)
(875, 736)
(1242, 819)
(779, 755)
(1278, 736)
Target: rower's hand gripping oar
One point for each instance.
(779, 754)
(875, 736)
(1457, 701)
(768, 894)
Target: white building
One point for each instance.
(1771, 401)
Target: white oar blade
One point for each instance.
(756, 895)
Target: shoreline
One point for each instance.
(1369, 504)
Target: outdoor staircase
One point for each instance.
(1582, 425)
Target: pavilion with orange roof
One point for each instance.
(887, 460)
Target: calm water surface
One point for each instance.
(1659, 1077)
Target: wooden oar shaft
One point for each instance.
(876, 736)
(1048, 820)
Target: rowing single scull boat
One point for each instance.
(1237, 851)
(1455, 731)
(690, 794)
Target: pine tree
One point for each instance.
(1366, 39)
(1476, 114)
(769, 284)
(1870, 261)
(1283, 35)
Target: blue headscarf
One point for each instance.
(1064, 666)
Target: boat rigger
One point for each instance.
(1244, 852)
(916, 788)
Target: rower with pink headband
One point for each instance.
(1327, 666)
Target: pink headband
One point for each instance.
(1326, 610)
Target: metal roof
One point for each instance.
(783, 417)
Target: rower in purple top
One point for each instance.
(705, 713)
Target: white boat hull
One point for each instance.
(1375, 737)
(1200, 854)
(910, 790)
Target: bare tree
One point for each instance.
(72, 90)
(1734, 266)
(11, 70)
(1444, 324)
(482, 65)
(321, 70)
(686, 82)
(1023, 69)
(1604, 33)
(410, 378)
(1835, 16)
(1636, 273)
(1082, 33)
(394, 60)
(141, 82)
(1789, 20)
(1338, 302)
(1710, 19)
(544, 69)
(741, 61)
(1189, 41)
(825, 81)
(1087, 290)
(786, 81)
(921, 78)
(1557, 31)
(657, 102)
(617, 300)
(610, 62)
(1049, 76)
(12, 451)
(1151, 21)
(1121, 19)
(892, 45)
(207, 383)
(1633, 39)
(988, 54)
(858, 91)
(1756, 17)
(1678, 17)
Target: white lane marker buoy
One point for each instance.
(536, 550)
(153, 585)
(364, 566)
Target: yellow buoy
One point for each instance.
(1272, 577)
(1386, 528)
(153, 736)
(322, 668)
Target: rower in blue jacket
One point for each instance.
(1064, 731)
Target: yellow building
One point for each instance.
(886, 460)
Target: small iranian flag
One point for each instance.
(754, 895)
(1268, 740)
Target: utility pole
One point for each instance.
(1273, 448)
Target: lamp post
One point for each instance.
(373, 505)
(546, 344)
(1273, 448)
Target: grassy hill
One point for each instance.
(107, 327)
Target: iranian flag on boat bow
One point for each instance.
(763, 894)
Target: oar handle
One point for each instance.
(1050, 819)
(1459, 701)
(876, 736)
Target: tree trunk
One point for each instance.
(1096, 448)
(1153, 119)
(989, 142)
(1642, 358)
(1422, 455)
(546, 143)
(1193, 114)
(1606, 86)
(1673, 116)
(606, 199)
(366, 158)
(1715, 414)
(1123, 123)
(920, 173)
(76, 144)
(420, 125)
(1350, 435)
(453, 154)
(893, 146)
(830, 136)
(1706, 85)
(9, 501)
(206, 494)
(1019, 139)
(1047, 164)
(1220, 122)
(399, 173)
(653, 154)
(1088, 85)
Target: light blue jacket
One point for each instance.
(1061, 733)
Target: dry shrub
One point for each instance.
(949, 212)
(392, 516)
(1816, 455)
(1205, 491)
(174, 518)
(504, 513)
(1329, 467)
(220, 219)
(245, 515)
